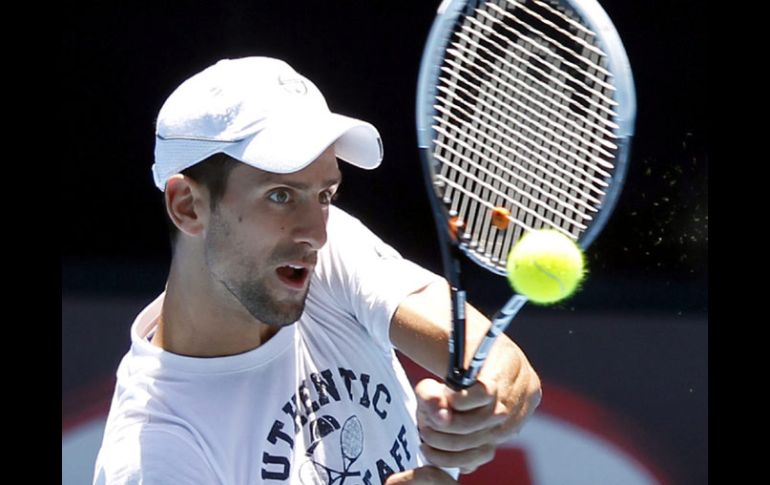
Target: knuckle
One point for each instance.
(485, 392)
(487, 454)
(432, 438)
(536, 392)
(481, 456)
(428, 389)
(490, 388)
(499, 434)
(432, 455)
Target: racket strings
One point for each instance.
(352, 439)
(524, 121)
(501, 183)
(457, 199)
(537, 98)
(459, 70)
(539, 62)
(489, 181)
(559, 38)
(530, 138)
(598, 79)
(508, 154)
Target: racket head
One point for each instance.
(531, 104)
(312, 473)
(352, 438)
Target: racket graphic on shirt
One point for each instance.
(313, 473)
(351, 446)
(351, 443)
(525, 114)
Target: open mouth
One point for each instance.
(292, 275)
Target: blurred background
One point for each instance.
(630, 349)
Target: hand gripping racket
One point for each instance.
(525, 114)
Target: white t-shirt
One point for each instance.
(323, 401)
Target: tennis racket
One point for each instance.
(351, 443)
(525, 114)
(313, 473)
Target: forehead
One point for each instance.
(322, 172)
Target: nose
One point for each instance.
(310, 226)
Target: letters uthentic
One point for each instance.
(305, 410)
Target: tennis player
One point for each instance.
(269, 357)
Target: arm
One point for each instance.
(462, 429)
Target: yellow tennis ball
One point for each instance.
(546, 266)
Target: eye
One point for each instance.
(280, 196)
(327, 196)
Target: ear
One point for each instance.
(187, 204)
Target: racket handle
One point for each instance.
(500, 322)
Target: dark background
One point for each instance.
(635, 337)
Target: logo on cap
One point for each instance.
(294, 85)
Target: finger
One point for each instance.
(468, 461)
(421, 476)
(481, 419)
(462, 442)
(480, 394)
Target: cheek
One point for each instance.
(256, 235)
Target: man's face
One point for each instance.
(263, 238)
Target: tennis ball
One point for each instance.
(546, 266)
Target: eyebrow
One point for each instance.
(301, 185)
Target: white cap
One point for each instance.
(260, 111)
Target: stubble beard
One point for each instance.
(252, 289)
(257, 300)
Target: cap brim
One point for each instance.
(290, 144)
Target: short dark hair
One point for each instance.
(211, 173)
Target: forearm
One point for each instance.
(421, 327)
(422, 324)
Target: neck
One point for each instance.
(200, 318)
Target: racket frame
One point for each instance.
(451, 242)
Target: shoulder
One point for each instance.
(341, 221)
(152, 454)
(348, 235)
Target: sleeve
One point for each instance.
(152, 456)
(367, 276)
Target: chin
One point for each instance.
(280, 313)
(282, 319)
(270, 305)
